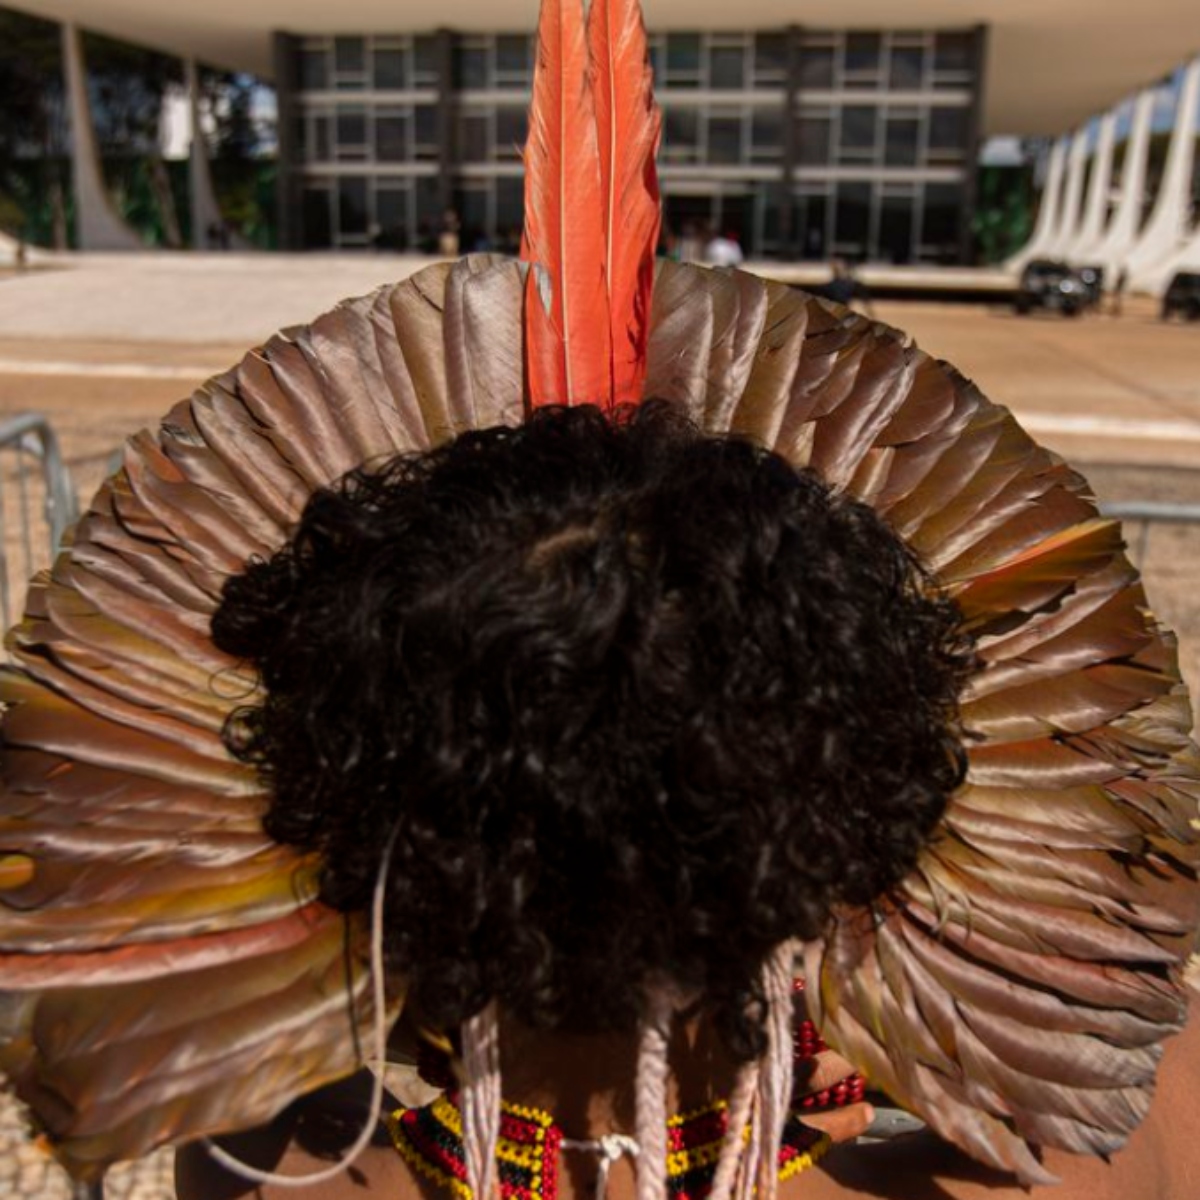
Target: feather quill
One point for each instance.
(629, 127)
(568, 339)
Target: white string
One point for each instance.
(610, 1148)
(379, 1032)
(650, 1091)
(479, 1103)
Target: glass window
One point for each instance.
(863, 51)
(390, 70)
(896, 229)
(317, 218)
(814, 135)
(812, 226)
(512, 128)
(425, 131)
(429, 211)
(907, 68)
(391, 137)
(352, 206)
(350, 55)
(859, 130)
(952, 53)
(853, 217)
(391, 215)
(683, 59)
(512, 55)
(943, 204)
(475, 130)
(473, 212)
(766, 135)
(949, 129)
(314, 70)
(770, 59)
(816, 67)
(351, 133)
(901, 141)
(471, 68)
(322, 138)
(425, 61)
(510, 213)
(727, 68)
(724, 140)
(772, 212)
(300, 136)
(681, 135)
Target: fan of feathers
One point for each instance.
(167, 971)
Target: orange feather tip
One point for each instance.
(592, 206)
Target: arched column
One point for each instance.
(206, 212)
(97, 223)
(1095, 212)
(1126, 224)
(1168, 227)
(1186, 258)
(1069, 216)
(1048, 214)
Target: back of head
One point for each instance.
(640, 703)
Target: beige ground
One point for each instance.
(107, 348)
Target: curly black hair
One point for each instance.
(642, 703)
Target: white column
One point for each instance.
(1048, 214)
(97, 224)
(1186, 258)
(1126, 224)
(1168, 227)
(206, 212)
(1069, 215)
(1095, 212)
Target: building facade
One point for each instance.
(802, 143)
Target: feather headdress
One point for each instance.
(166, 971)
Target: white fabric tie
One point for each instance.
(609, 1149)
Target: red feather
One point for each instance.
(567, 331)
(629, 126)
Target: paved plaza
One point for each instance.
(105, 344)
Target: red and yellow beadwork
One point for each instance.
(430, 1141)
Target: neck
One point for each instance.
(587, 1081)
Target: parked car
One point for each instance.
(1183, 297)
(1048, 283)
(1093, 279)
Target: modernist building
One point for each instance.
(808, 127)
(803, 143)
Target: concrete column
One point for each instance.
(97, 224)
(1126, 224)
(1069, 216)
(1095, 211)
(1048, 215)
(970, 200)
(206, 211)
(1186, 259)
(1168, 227)
(789, 235)
(289, 189)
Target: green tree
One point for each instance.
(32, 129)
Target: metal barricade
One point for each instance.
(37, 505)
(1144, 514)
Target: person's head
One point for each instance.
(642, 704)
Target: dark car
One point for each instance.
(1048, 283)
(1093, 280)
(1183, 297)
